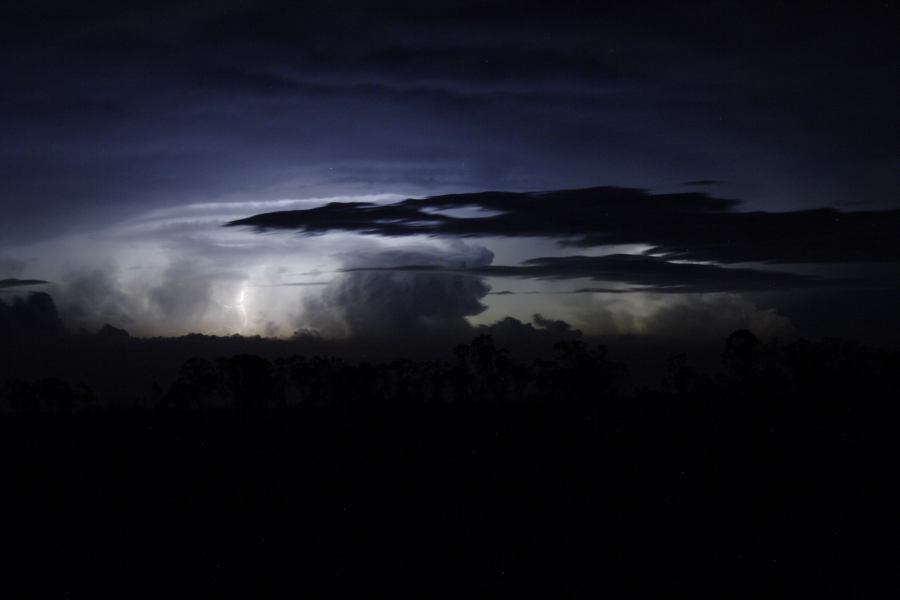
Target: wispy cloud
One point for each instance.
(15, 283)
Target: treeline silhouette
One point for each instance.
(298, 474)
(760, 382)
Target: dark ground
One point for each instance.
(776, 476)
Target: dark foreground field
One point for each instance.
(775, 477)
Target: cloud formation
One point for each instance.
(119, 110)
(647, 273)
(31, 318)
(687, 316)
(16, 283)
(11, 267)
(682, 226)
(117, 107)
(365, 301)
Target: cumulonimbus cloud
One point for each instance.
(382, 301)
(32, 317)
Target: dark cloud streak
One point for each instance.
(16, 283)
(686, 226)
(650, 273)
(113, 107)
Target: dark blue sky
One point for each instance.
(112, 113)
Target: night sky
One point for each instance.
(352, 169)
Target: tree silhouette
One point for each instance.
(248, 381)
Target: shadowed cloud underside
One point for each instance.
(682, 226)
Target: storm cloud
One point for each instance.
(683, 226)
(135, 133)
(685, 316)
(373, 302)
(113, 108)
(647, 273)
(30, 318)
